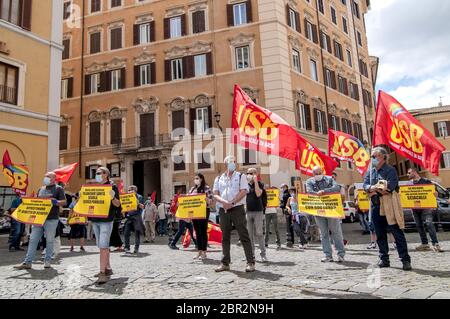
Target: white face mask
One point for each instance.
(318, 177)
(47, 181)
(197, 182)
(249, 178)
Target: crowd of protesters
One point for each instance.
(240, 199)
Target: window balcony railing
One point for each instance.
(8, 95)
(150, 142)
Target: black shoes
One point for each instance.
(407, 266)
(383, 264)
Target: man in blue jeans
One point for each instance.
(320, 185)
(56, 193)
(380, 170)
(16, 227)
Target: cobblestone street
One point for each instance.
(158, 272)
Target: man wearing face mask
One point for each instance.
(380, 170)
(320, 185)
(56, 193)
(230, 191)
(424, 215)
(134, 221)
(255, 214)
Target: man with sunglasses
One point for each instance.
(380, 170)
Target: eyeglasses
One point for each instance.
(374, 156)
(99, 173)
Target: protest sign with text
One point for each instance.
(33, 211)
(418, 196)
(94, 201)
(191, 206)
(129, 202)
(328, 205)
(273, 197)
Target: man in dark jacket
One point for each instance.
(134, 222)
(380, 170)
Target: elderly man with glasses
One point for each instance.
(381, 171)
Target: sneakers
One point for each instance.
(102, 278)
(23, 266)
(327, 260)
(407, 266)
(82, 249)
(267, 246)
(174, 247)
(250, 267)
(108, 272)
(341, 259)
(423, 247)
(127, 251)
(437, 248)
(47, 265)
(222, 267)
(372, 245)
(383, 264)
(136, 251)
(264, 259)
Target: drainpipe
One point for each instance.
(81, 90)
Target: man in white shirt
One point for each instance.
(230, 192)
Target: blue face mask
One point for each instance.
(231, 167)
(375, 162)
(98, 178)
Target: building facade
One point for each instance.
(133, 71)
(30, 78)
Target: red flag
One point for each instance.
(397, 128)
(153, 197)
(259, 129)
(309, 156)
(214, 234)
(64, 174)
(120, 186)
(17, 175)
(348, 148)
(186, 239)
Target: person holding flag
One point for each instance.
(56, 193)
(320, 185)
(381, 171)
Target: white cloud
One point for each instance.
(412, 40)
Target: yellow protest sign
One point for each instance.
(94, 201)
(273, 197)
(33, 211)
(363, 200)
(77, 219)
(191, 206)
(129, 202)
(418, 196)
(328, 205)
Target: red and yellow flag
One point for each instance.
(261, 130)
(346, 147)
(397, 128)
(17, 175)
(309, 156)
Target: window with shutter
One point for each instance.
(95, 6)
(198, 22)
(308, 117)
(179, 163)
(178, 122)
(63, 134)
(203, 161)
(116, 38)
(66, 52)
(116, 131)
(95, 40)
(147, 129)
(94, 134)
(240, 13)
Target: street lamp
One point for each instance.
(217, 117)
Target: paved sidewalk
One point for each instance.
(158, 272)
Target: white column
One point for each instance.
(166, 178)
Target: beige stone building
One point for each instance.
(133, 71)
(437, 121)
(30, 78)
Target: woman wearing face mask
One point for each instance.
(201, 225)
(299, 220)
(103, 226)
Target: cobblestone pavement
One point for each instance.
(158, 272)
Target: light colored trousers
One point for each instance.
(255, 231)
(150, 232)
(334, 225)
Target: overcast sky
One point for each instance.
(412, 40)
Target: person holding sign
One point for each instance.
(77, 230)
(320, 185)
(421, 215)
(103, 226)
(230, 192)
(134, 221)
(381, 171)
(299, 220)
(201, 225)
(56, 193)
